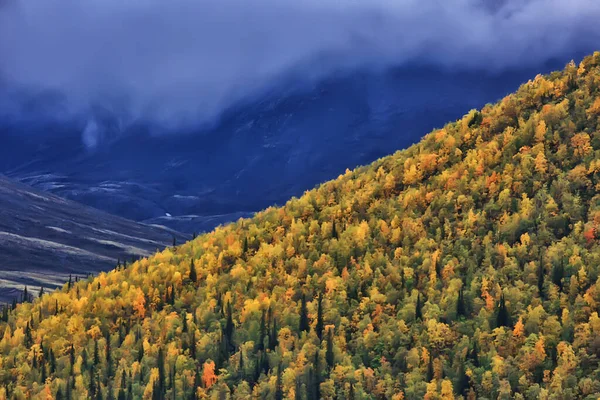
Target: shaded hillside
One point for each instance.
(466, 265)
(258, 154)
(44, 238)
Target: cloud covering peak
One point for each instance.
(182, 62)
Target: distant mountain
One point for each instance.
(258, 154)
(44, 238)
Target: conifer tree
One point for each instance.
(273, 340)
(474, 354)
(460, 305)
(260, 345)
(278, 388)
(193, 274)
(558, 273)
(418, 311)
(304, 325)
(160, 364)
(320, 323)
(329, 355)
(540, 278)
(502, 316)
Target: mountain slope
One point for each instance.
(44, 238)
(466, 265)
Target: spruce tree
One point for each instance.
(329, 355)
(241, 367)
(462, 381)
(278, 388)
(273, 340)
(474, 354)
(461, 310)
(558, 273)
(540, 278)
(317, 378)
(418, 311)
(260, 345)
(304, 325)
(502, 317)
(193, 275)
(229, 329)
(429, 376)
(96, 353)
(160, 364)
(320, 323)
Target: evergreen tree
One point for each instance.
(265, 366)
(193, 345)
(317, 378)
(558, 272)
(429, 376)
(245, 245)
(241, 368)
(278, 388)
(304, 325)
(320, 323)
(140, 353)
(160, 364)
(70, 282)
(92, 383)
(122, 395)
(260, 345)
(257, 367)
(193, 274)
(59, 393)
(329, 355)
(25, 295)
(502, 316)
(96, 353)
(28, 338)
(273, 340)
(540, 278)
(229, 329)
(418, 311)
(334, 233)
(474, 354)
(461, 310)
(41, 293)
(462, 381)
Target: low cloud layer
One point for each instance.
(183, 62)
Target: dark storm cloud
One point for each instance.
(180, 62)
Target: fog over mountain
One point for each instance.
(179, 64)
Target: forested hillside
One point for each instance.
(466, 265)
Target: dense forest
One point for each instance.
(467, 266)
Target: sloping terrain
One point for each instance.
(466, 266)
(258, 154)
(44, 239)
